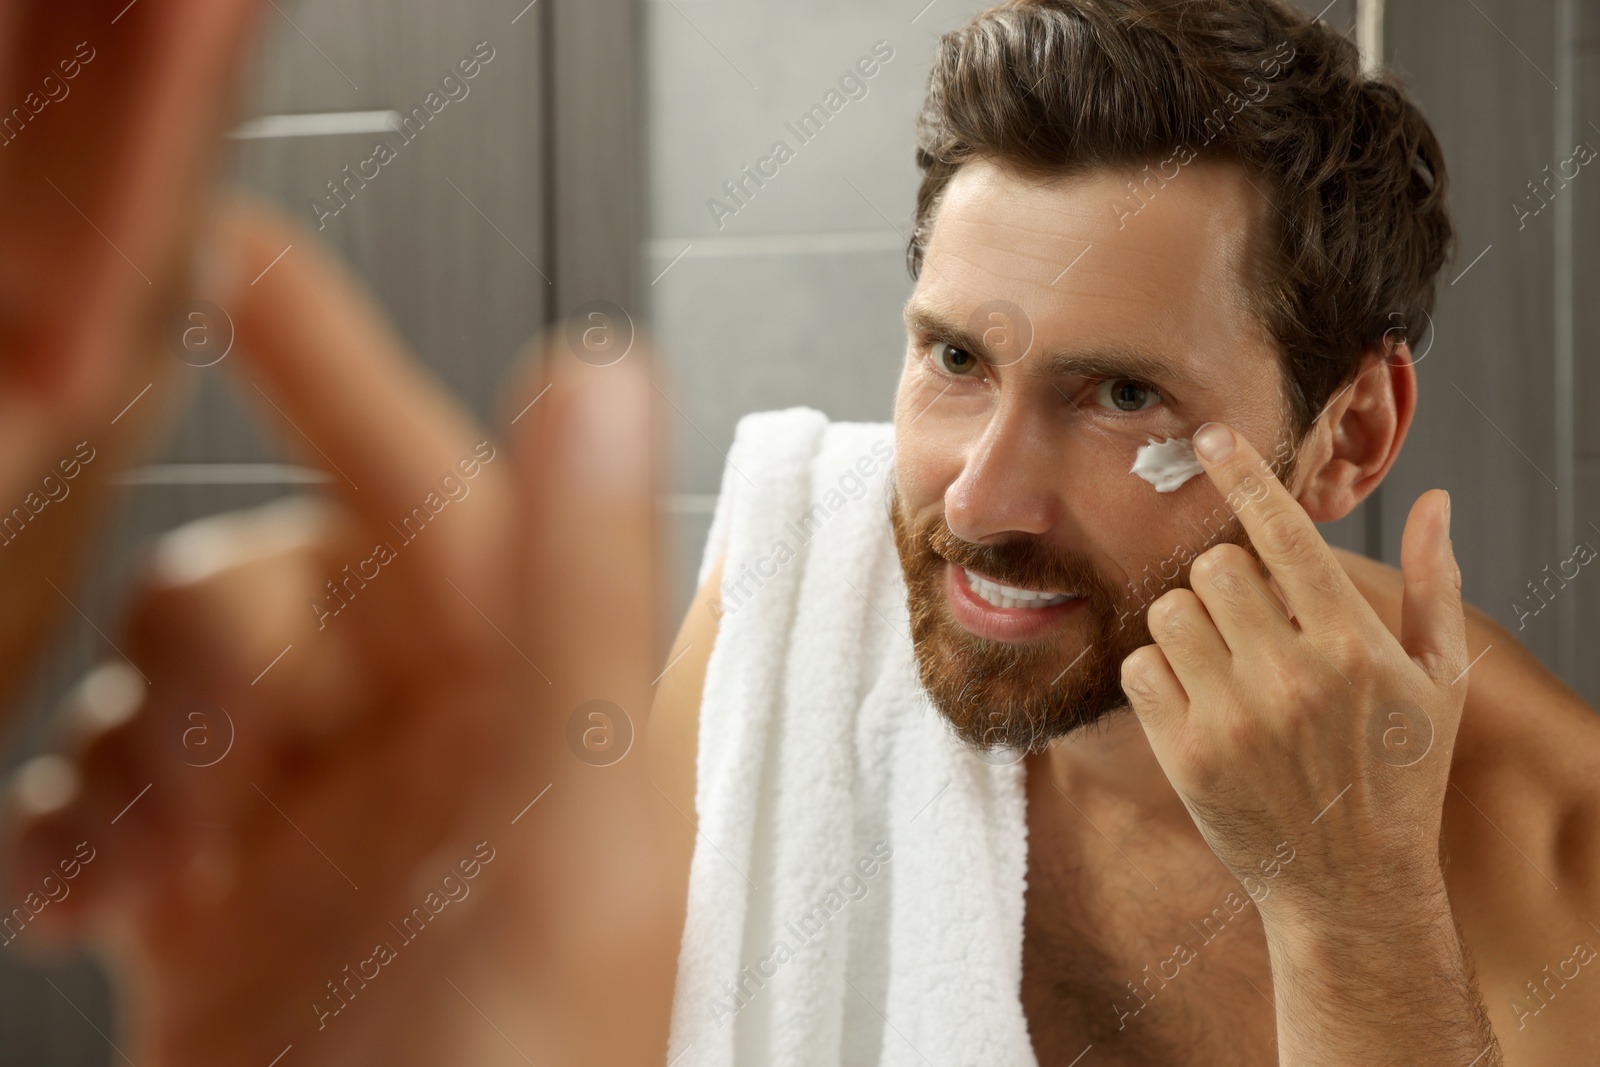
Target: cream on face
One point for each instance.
(1166, 464)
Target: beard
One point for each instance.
(1020, 696)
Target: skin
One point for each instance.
(195, 891)
(374, 751)
(104, 186)
(406, 730)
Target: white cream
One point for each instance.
(1166, 464)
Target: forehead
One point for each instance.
(1093, 264)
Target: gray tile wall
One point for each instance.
(795, 298)
(1502, 425)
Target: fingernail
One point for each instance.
(201, 548)
(1446, 493)
(611, 439)
(217, 269)
(193, 552)
(1214, 442)
(109, 696)
(45, 784)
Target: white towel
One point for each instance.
(856, 892)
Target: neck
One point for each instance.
(1113, 757)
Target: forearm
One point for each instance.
(1390, 987)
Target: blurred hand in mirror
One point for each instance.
(106, 153)
(376, 800)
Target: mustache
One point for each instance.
(1025, 562)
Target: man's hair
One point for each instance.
(1357, 227)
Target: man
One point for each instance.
(1125, 234)
(1366, 862)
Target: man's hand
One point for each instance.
(113, 114)
(1272, 728)
(1313, 751)
(349, 701)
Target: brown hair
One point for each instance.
(1354, 175)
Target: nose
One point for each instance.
(1009, 482)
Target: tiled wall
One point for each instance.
(796, 297)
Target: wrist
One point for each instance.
(1404, 926)
(1379, 897)
(1342, 975)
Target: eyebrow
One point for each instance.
(1107, 361)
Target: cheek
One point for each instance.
(1133, 526)
(933, 435)
(924, 464)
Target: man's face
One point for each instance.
(1051, 334)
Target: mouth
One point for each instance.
(1001, 595)
(1003, 612)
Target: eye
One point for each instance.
(953, 360)
(1126, 394)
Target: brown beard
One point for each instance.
(997, 694)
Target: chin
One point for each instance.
(996, 695)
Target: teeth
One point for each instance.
(1009, 596)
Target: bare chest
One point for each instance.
(1141, 947)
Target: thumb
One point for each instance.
(1433, 628)
(588, 456)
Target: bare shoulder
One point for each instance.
(672, 736)
(1522, 727)
(1521, 835)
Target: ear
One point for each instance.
(1359, 434)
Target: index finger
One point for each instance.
(322, 361)
(100, 188)
(1287, 541)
